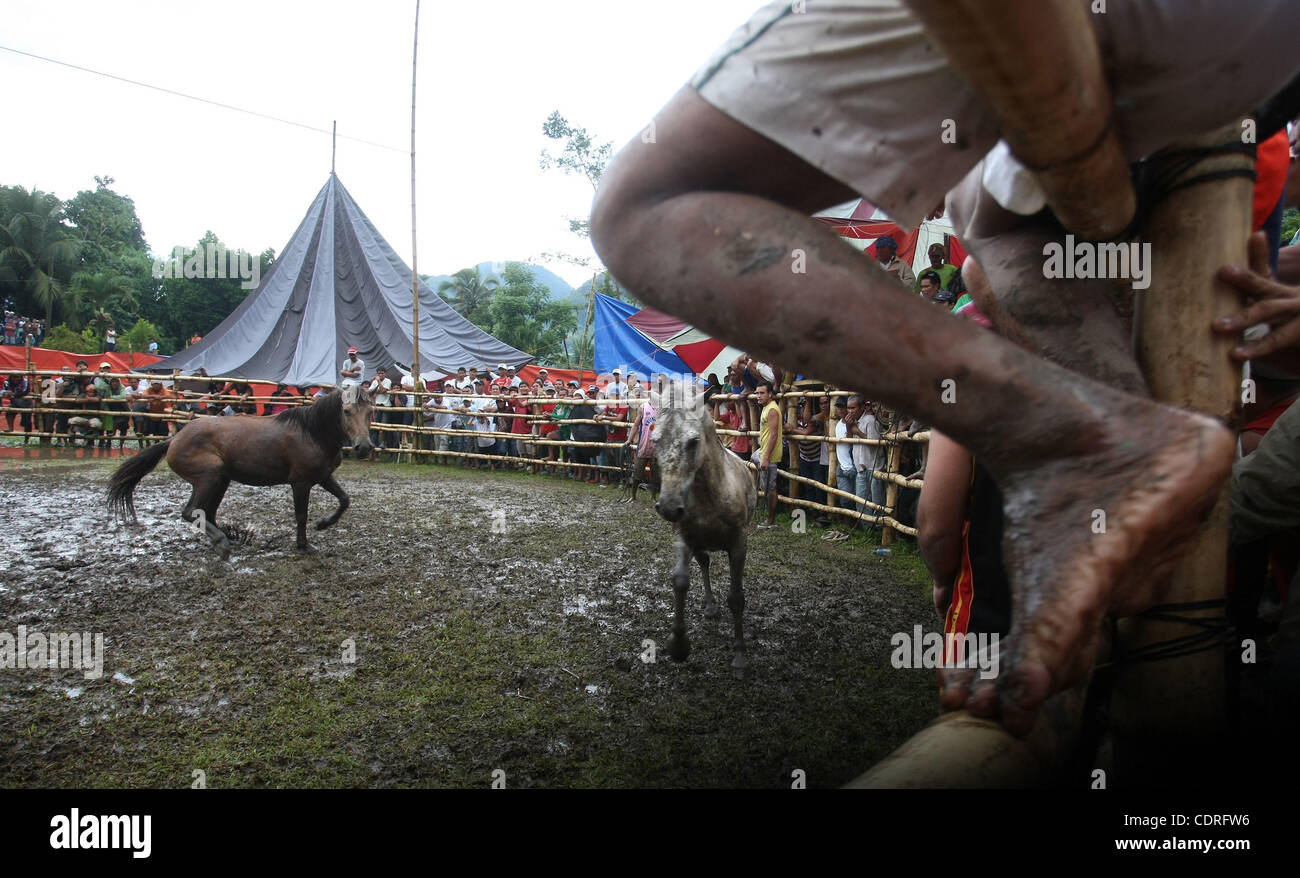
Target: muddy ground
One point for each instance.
(475, 651)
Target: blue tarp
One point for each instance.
(620, 346)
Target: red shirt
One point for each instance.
(549, 426)
(617, 434)
(521, 425)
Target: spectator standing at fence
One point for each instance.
(352, 369)
(117, 420)
(87, 422)
(846, 471)
(440, 419)
(642, 432)
(519, 425)
(770, 442)
(585, 454)
(17, 392)
(379, 392)
(808, 424)
(159, 401)
(870, 457)
(887, 256)
(615, 414)
(11, 326)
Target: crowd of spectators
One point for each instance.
(18, 330)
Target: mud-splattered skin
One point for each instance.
(709, 496)
(674, 222)
(300, 447)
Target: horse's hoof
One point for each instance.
(307, 549)
(323, 523)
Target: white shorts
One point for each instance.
(856, 89)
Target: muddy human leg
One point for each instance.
(712, 205)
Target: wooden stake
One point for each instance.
(1192, 232)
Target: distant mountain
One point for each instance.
(559, 288)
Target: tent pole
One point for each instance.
(415, 273)
(334, 145)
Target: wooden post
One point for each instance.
(832, 459)
(891, 489)
(1165, 710)
(415, 273)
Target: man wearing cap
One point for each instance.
(887, 256)
(501, 379)
(938, 265)
(352, 369)
(511, 374)
(616, 384)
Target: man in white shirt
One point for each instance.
(846, 473)
(379, 392)
(352, 368)
(616, 384)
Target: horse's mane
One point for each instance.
(322, 420)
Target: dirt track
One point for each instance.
(474, 650)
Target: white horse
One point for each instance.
(708, 495)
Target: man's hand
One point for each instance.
(1268, 302)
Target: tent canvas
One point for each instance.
(338, 283)
(861, 223)
(648, 341)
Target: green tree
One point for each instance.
(92, 293)
(524, 316)
(197, 304)
(470, 294)
(61, 338)
(138, 336)
(112, 241)
(37, 251)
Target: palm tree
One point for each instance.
(469, 293)
(37, 252)
(96, 290)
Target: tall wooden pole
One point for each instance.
(334, 146)
(1165, 712)
(415, 270)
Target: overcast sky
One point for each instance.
(490, 72)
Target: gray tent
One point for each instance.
(337, 284)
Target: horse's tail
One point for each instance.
(121, 487)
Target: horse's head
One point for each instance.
(357, 410)
(684, 437)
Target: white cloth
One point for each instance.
(843, 451)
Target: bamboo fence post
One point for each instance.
(891, 491)
(832, 457)
(1164, 710)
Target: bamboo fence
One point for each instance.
(182, 403)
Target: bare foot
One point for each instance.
(1091, 535)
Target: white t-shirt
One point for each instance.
(153, 347)
(349, 363)
(111, 336)
(380, 390)
(843, 450)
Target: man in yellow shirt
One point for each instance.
(769, 447)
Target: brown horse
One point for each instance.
(301, 447)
